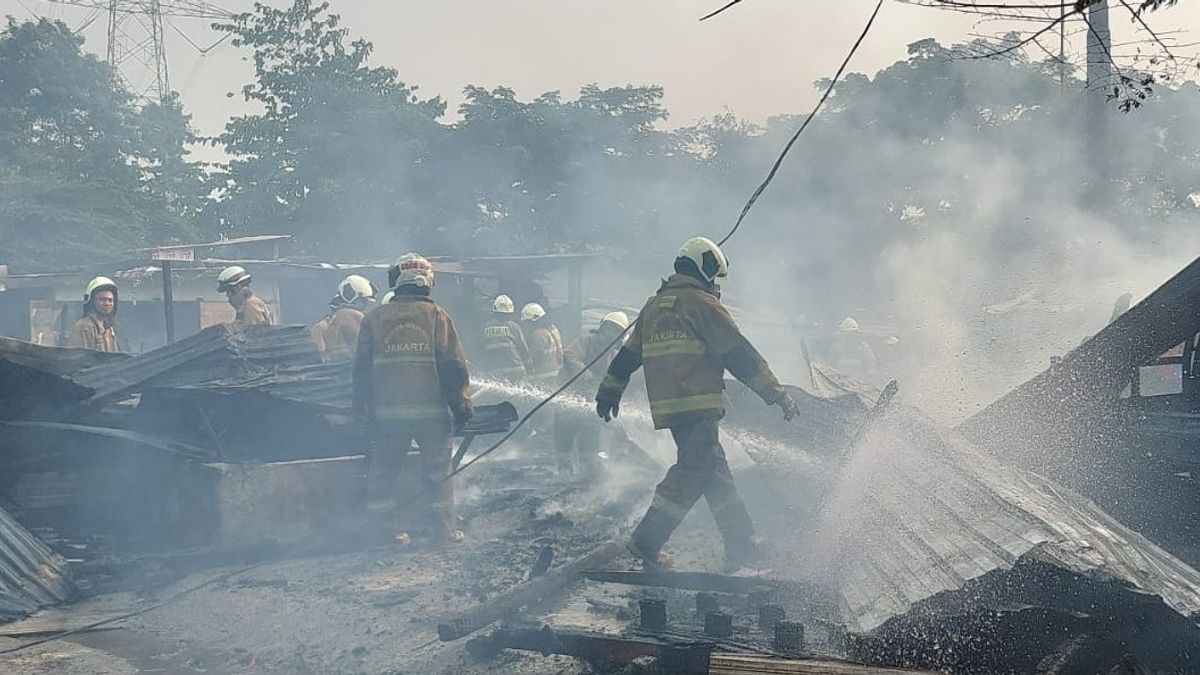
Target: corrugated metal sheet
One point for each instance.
(218, 352)
(54, 360)
(919, 512)
(31, 575)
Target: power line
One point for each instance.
(796, 136)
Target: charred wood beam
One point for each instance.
(531, 592)
(674, 655)
(688, 581)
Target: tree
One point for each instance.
(84, 174)
(336, 155)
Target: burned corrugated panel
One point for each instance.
(217, 352)
(923, 524)
(31, 575)
(54, 360)
(33, 378)
(238, 423)
(328, 385)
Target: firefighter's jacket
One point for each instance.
(505, 349)
(545, 352)
(341, 336)
(316, 333)
(253, 312)
(686, 340)
(578, 354)
(92, 332)
(409, 367)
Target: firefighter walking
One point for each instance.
(96, 329)
(410, 381)
(686, 340)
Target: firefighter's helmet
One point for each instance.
(411, 269)
(706, 256)
(532, 312)
(503, 305)
(618, 319)
(96, 285)
(356, 287)
(232, 277)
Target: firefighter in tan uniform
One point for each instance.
(545, 345)
(576, 431)
(505, 351)
(686, 340)
(96, 329)
(234, 282)
(355, 296)
(410, 381)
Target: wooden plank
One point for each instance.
(531, 592)
(749, 664)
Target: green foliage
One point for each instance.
(338, 148)
(84, 173)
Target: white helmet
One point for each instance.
(532, 312)
(411, 269)
(618, 319)
(503, 305)
(707, 257)
(99, 284)
(848, 325)
(387, 297)
(231, 277)
(356, 287)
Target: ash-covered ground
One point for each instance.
(374, 608)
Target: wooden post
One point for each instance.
(168, 301)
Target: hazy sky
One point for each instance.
(757, 60)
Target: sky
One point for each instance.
(757, 60)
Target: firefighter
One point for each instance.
(572, 430)
(505, 351)
(234, 282)
(850, 354)
(410, 381)
(545, 345)
(686, 340)
(96, 329)
(354, 297)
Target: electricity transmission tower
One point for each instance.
(136, 35)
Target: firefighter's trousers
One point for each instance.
(700, 469)
(577, 431)
(436, 498)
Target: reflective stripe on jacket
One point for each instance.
(545, 351)
(505, 349)
(409, 364)
(686, 340)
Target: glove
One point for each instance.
(607, 408)
(789, 407)
(462, 415)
